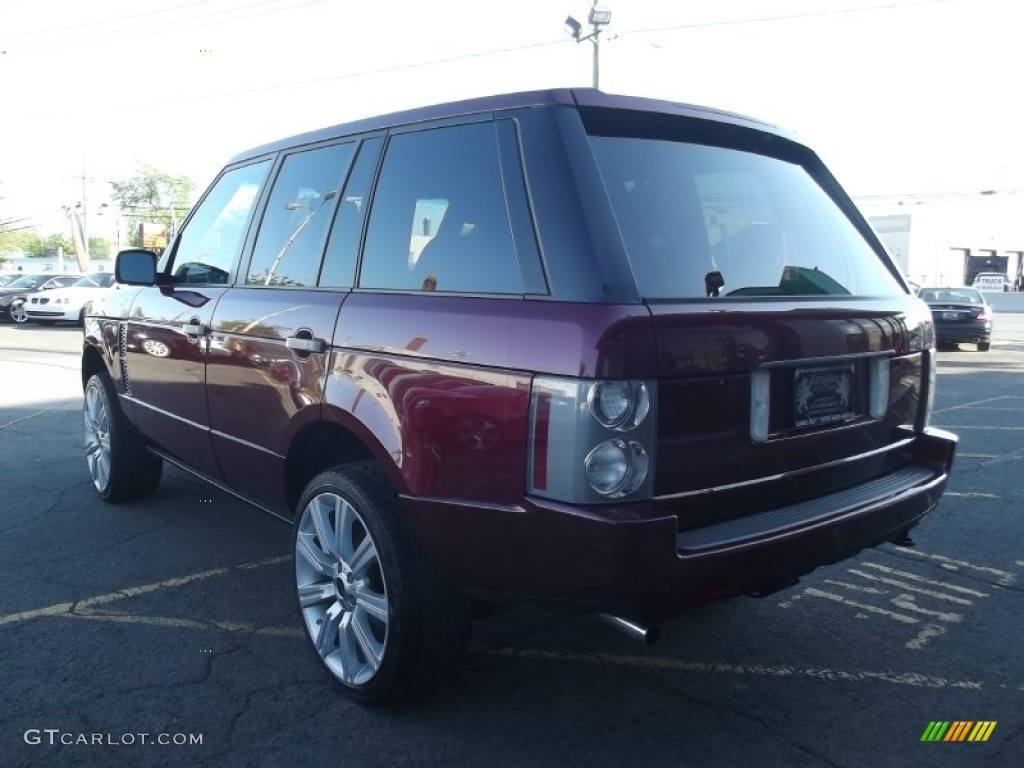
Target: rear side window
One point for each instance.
(343, 245)
(704, 221)
(439, 219)
(294, 227)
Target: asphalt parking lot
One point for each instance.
(164, 633)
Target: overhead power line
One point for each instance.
(231, 14)
(498, 51)
(171, 25)
(101, 22)
(777, 17)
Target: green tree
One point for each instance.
(154, 196)
(36, 247)
(100, 247)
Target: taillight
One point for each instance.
(591, 441)
(985, 315)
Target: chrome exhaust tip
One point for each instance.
(646, 632)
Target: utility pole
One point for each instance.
(85, 215)
(599, 17)
(83, 223)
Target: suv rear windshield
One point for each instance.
(707, 221)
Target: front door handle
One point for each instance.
(300, 344)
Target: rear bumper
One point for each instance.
(963, 334)
(633, 559)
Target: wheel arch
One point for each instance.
(92, 363)
(324, 444)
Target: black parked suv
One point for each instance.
(559, 347)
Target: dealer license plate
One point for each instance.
(823, 395)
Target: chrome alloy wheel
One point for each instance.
(342, 594)
(97, 436)
(17, 312)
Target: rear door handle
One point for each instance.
(300, 344)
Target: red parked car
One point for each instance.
(558, 347)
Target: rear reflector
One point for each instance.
(759, 406)
(878, 387)
(541, 425)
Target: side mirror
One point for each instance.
(135, 266)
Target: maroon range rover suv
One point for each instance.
(557, 347)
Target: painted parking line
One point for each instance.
(911, 679)
(59, 609)
(63, 404)
(906, 586)
(976, 403)
(87, 608)
(165, 622)
(1002, 578)
(911, 599)
(921, 579)
(972, 495)
(979, 426)
(1010, 408)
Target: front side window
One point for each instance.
(97, 280)
(58, 282)
(439, 219)
(705, 221)
(211, 241)
(294, 226)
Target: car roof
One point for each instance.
(581, 97)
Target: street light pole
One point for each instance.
(598, 18)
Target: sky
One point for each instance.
(912, 100)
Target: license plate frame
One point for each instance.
(823, 394)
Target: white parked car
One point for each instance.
(68, 304)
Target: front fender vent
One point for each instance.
(122, 356)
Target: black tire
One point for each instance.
(984, 346)
(381, 620)
(16, 311)
(119, 464)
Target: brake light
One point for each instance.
(985, 315)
